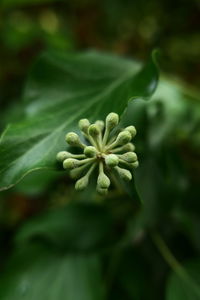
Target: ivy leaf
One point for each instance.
(62, 89)
(77, 227)
(185, 287)
(37, 273)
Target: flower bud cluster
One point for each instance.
(102, 149)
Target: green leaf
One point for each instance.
(130, 189)
(61, 90)
(38, 183)
(133, 275)
(38, 273)
(167, 112)
(187, 288)
(162, 123)
(76, 227)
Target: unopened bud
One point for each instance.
(62, 155)
(132, 130)
(129, 157)
(100, 124)
(103, 182)
(94, 130)
(124, 174)
(70, 163)
(135, 164)
(73, 139)
(111, 160)
(102, 192)
(82, 183)
(129, 147)
(112, 120)
(90, 151)
(84, 125)
(125, 148)
(76, 173)
(123, 137)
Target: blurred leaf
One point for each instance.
(61, 90)
(133, 275)
(12, 113)
(162, 123)
(190, 224)
(166, 111)
(189, 289)
(130, 189)
(36, 183)
(9, 3)
(38, 273)
(78, 226)
(152, 189)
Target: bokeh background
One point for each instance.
(131, 28)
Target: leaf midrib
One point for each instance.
(95, 99)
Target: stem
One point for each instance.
(76, 173)
(118, 149)
(173, 262)
(78, 156)
(111, 146)
(101, 170)
(91, 140)
(91, 170)
(81, 145)
(112, 139)
(105, 137)
(101, 137)
(98, 142)
(86, 160)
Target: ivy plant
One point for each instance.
(95, 246)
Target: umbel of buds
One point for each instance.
(103, 150)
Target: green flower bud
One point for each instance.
(112, 120)
(103, 182)
(76, 173)
(102, 192)
(90, 151)
(129, 157)
(82, 183)
(123, 138)
(125, 148)
(100, 124)
(62, 155)
(111, 160)
(84, 125)
(71, 163)
(129, 147)
(73, 139)
(106, 148)
(94, 130)
(132, 130)
(124, 174)
(135, 164)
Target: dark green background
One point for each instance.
(127, 27)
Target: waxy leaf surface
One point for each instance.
(62, 89)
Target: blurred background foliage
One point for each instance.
(127, 27)
(137, 270)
